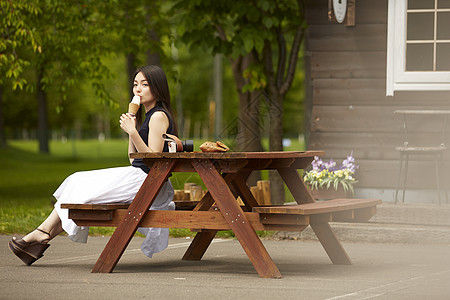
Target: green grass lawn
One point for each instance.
(28, 179)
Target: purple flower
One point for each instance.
(330, 165)
(349, 163)
(317, 164)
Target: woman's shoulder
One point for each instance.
(159, 117)
(156, 112)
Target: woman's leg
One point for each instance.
(32, 247)
(52, 225)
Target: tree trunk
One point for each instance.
(42, 115)
(279, 83)
(2, 121)
(276, 122)
(249, 134)
(218, 95)
(131, 68)
(153, 57)
(276, 144)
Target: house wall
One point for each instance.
(347, 106)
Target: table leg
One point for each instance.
(203, 239)
(235, 217)
(138, 208)
(205, 203)
(199, 245)
(229, 178)
(296, 185)
(322, 230)
(247, 197)
(330, 243)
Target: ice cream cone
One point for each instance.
(133, 108)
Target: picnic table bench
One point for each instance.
(225, 175)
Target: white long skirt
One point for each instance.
(113, 185)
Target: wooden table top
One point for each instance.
(228, 155)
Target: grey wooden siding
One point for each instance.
(347, 107)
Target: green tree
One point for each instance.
(68, 43)
(15, 34)
(72, 39)
(262, 40)
(138, 26)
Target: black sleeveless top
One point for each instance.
(143, 132)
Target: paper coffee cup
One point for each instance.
(172, 147)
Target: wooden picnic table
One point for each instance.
(225, 175)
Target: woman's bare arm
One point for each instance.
(158, 125)
(131, 149)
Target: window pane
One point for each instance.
(419, 57)
(443, 57)
(420, 26)
(443, 4)
(420, 4)
(443, 26)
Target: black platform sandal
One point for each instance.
(29, 252)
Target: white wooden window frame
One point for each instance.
(397, 79)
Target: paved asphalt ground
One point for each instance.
(398, 255)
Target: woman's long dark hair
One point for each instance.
(159, 88)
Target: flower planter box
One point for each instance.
(331, 193)
(327, 173)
